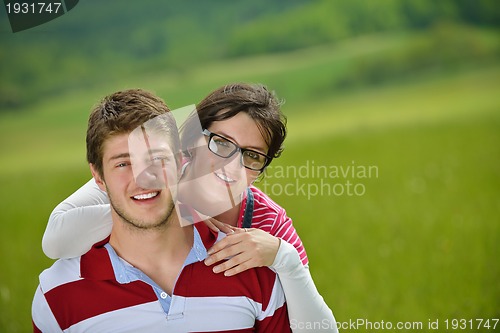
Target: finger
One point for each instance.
(211, 226)
(240, 268)
(228, 264)
(225, 242)
(226, 252)
(225, 228)
(239, 230)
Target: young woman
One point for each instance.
(233, 136)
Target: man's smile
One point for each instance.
(146, 196)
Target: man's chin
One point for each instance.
(147, 221)
(147, 225)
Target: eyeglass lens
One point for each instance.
(225, 148)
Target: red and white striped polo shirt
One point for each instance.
(99, 292)
(272, 218)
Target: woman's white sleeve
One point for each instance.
(306, 307)
(77, 223)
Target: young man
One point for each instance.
(149, 276)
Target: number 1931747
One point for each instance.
(471, 324)
(33, 8)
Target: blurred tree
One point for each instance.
(120, 40)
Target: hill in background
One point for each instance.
(102, 41)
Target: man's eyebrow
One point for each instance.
(118, 156)
(159, 150)
(149, 152)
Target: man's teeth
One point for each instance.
(145, 196)
(225, 178)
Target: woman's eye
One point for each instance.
(253, 156)
(222, 143)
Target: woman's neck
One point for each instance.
(230, 216)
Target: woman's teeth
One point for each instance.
(225, 178)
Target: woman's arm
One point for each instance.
(306, 307)
(274, 242)
(254, 248)
(77, 223)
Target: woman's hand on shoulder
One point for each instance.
(216, 225)
(243, 249)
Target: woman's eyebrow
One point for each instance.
(259, 149)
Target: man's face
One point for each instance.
(143, 207)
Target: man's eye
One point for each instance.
(122, 164)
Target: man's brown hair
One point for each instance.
(122, 112)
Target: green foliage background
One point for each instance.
(410, 87)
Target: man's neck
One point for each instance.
(159, 253)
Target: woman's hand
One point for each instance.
(246, 248)
(216, 225)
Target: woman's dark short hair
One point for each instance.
(255, 100)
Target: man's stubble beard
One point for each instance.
(138, 224)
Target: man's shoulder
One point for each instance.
(63, 271)
(95, 264)
(198, 280)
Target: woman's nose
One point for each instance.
(230, 163)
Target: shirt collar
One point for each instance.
(102, 262)
(96, 263)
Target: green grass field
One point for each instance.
(420, 243)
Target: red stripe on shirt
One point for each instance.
(256, 284)
(272, 324)
(79, 300)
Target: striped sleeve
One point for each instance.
(42, 316)
(272, 218)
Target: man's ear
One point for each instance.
(98, 179)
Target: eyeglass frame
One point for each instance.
(210, 135)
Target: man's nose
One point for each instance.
(151, 177)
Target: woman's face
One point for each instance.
(213, 184)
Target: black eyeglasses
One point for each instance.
(225, 148)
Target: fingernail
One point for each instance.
(216, 269)
(210, 251)
(208, 261)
